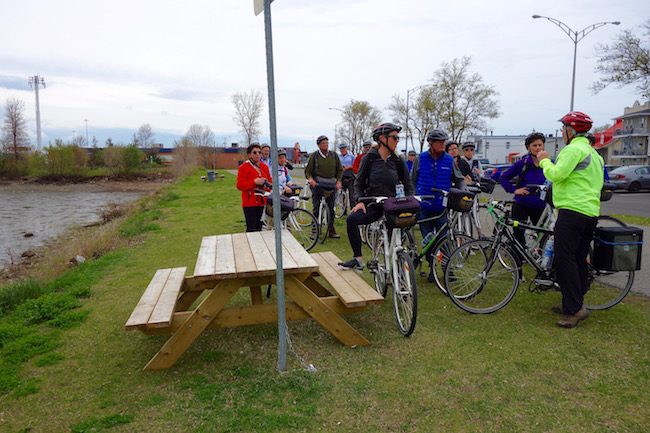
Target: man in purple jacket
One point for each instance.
(529, 172)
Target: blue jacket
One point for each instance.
(428, 173)
(533, 176)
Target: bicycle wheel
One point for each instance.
(408, 242)
(606, 288)
(378, 268)
(303, 226)
(323, 218)
(405, 294)
(441, 251)
(476, 278)
(340, 204)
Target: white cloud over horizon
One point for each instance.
(120, 64)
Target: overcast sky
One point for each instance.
(168, 63)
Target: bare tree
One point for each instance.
(14, 130)
(248, 109)
(145, 135)
(626, 61)
(464, 101)
(359, 117)
(199, 135)
(424, 114)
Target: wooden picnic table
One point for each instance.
(228, 263)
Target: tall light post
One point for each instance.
(35, 82)
(336, 125)
(576, 36)
(408, 130)
(87, 143)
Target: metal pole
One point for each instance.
(406, 146)
(573, 78)
(279, 276)
(87, 142)
(39, 142)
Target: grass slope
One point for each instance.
(510, 371)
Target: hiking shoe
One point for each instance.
(572, 320)
(352, 264)
(334, 235)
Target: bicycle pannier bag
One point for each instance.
(286, 206)
(487, 185)
(325, 183)
(617, 248)
(401, 212)
(459, 200)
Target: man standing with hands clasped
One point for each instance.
(577, 178)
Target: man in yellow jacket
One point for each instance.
(577, 177)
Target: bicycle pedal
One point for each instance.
(372, 265)
(545, 283)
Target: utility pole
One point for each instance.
(87, 142)
(35, 82)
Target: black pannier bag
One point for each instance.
(459, 200)
(326, 184)
(286, 206)
(401, 212)
(617, 248)
(487, 185)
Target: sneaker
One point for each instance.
(572, 320)
(352, 264)
(431, 278)
(334, 235)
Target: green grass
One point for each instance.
(633, 220)
(67, 365)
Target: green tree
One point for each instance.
(464, 100)
(132, 158)
(359, 117)
(626, 61)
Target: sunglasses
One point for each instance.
(255, 152)
(394, 137)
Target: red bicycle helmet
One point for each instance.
(578, 121)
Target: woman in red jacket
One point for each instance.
(251, 175)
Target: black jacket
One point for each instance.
(377, 177)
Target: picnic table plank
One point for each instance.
(287, 261)
(357, 283)
(244, 261)
(161, 316)
(261, 254)
(337, 280)
(225, 257)
(140, 315)
(206, 261)
(297, 251)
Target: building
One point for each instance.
(500, 149)
(629, 137)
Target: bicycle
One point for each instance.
(391, 264)
(342, 203)
(482, 276)
(301, 223)
(323, 217)
(445, 239)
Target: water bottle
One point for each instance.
(427, 238)
(547, 258)
(399, 190)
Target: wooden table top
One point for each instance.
(239, 255)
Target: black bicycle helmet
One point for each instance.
(534, 136)
(384, 128)
(437, 135)
(321, 138)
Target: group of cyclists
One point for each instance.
(577, 176)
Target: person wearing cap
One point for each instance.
(433, 168)
(266, 155)
(284, 178)
(323, 164)
(409, 160)
(578, 177)
(347, 159)
(469, 164)
(357, 161)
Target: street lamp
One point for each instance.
(336, 125)
(576, 36)
(408, 94)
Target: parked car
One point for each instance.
(631, 177)
(494, 171)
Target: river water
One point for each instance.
(46, 211)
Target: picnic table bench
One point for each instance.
(316, 288)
